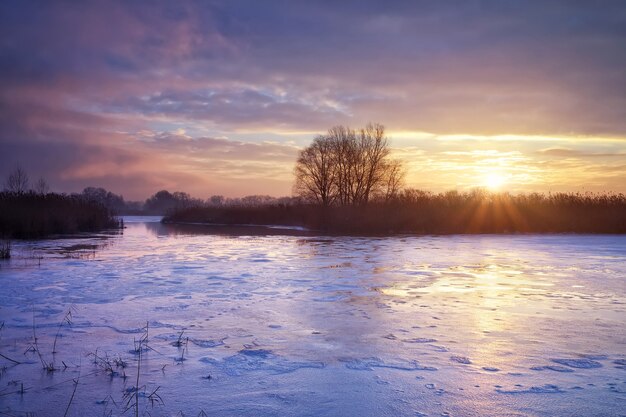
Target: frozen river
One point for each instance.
(279, 325)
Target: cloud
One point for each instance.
(448, 68)
(191, 85)
(201, 166)
(577, 153)
(233, 107)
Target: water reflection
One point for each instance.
(86, 247)
(160, 229)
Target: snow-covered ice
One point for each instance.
(275, 325)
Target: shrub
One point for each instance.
(32, 215)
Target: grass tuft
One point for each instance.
(5, 249)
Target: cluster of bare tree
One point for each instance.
(18, 182)
(255, 200)
(348, 167)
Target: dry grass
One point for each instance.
(31, 215)
(418, 212)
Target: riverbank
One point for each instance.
(424, 213)
(32, 215)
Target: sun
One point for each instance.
(494, 181)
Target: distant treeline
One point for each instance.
(32, 215)
(163, 202)
(18, 183)
(414, 211)
(160, 203)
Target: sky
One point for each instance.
(218, 97)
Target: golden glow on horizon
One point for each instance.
(236, 164)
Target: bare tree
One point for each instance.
(216, 200)
(315, 173)
(41, 186)
(341, 140)
(17, 181)
(348, 167)
(394, 176)
(374, 152)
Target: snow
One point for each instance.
(274, 325)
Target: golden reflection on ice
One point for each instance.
(490, 303)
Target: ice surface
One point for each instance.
(620, 363)
(460, 359)
(248, 360)
(272, 325)
(544, 389)
(555, 368)
(419, 340)
(368, 364)
(578, 363)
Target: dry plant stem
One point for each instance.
(4, 356)
(72, 397)
(10, 360)
(46, 365)
(137, 383)
(5, 250)
(67, 318)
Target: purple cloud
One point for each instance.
(81, 77)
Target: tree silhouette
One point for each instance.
(41, 186)
(316, 172)
(17, 181)
(348, 167)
